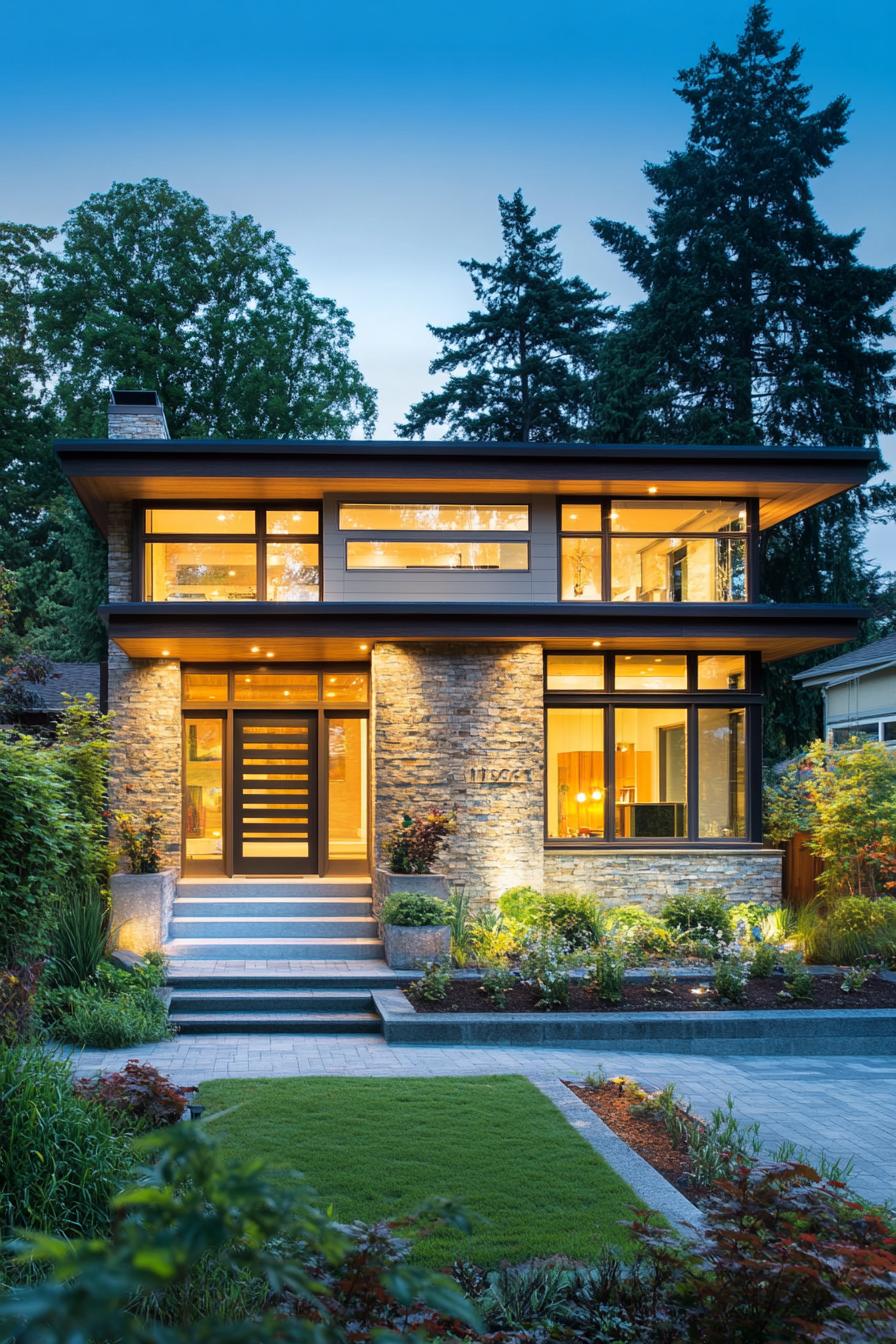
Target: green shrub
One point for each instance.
(642, 931)
(79, 939)
(18, 993)
(497, 982)
(851, 929)
(434, 983)
(699, 914)
(414, 844)
(764, 960)
(521, 904)
(545, 965)
(798, 981)
(141, 842)
(60, 1162)
(605, 975)
(576, 920)
(493, 939)
(81, 751)
(730, 979)
(411, 911)
(120, 1008)
(751, 912)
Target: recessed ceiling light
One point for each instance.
(231, 573)
(330, 695)
(222, 517)
(247, 678)
(651, 489)
(286, 692)
(166, 653)
(614, 515)
(297, 517)
(574, 516)
(595, 643)
(269, 654)
(363, 647)
(256, 648)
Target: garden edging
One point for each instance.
(793, 1031)
(651, 1188)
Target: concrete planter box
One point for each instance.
(141, 908)
(406, 947)
(817, 1031)
(386, 884)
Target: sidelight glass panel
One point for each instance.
(580, 569)
(204, 686)
(275, 687)
(575, 672)
(415, 517)
(722, 773)
(199, 571)
(347, 788)
(721, 672)
(580, 518)
(201, 522)
(650, 672)
(203, 784)
(494, 555)
(293, 571)
(297, 522)
(576, 792)
(678, 569)
(650, 753)
(678, 515)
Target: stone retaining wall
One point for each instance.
(649, 877)
(461, 724)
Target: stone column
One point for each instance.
(462, 724)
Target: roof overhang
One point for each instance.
(345, 631)
(784, 480)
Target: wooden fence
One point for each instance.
(800, 872)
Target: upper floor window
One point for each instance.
(231, 554)
(415, 535)
(654, 550)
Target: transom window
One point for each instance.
(275, 686)
(434, 535)
(654, 550)
(625, 770)
(223, 554)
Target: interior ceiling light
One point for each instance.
(596, 795)
(270, 653)
(231, 573)
(247, 679)
(595, 643)
(581, 798)
(651, 489)
(166, 653)
(363, 647)
(222, 517)
(256, 648)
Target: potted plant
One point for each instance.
(415, 929)
(410, 849)
(142, 899)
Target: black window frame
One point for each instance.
(749, 534)
(260, 538)
(690, 700)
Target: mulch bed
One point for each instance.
(465, 996)
(645, 1133)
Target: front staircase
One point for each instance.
(272, 955)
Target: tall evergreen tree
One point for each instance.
(759, 324)
(522, 365)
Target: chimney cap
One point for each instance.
(132, 397)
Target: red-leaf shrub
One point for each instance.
(138, 1097)
(18, 986)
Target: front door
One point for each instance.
(275, 793)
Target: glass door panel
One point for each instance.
(347, 789)
(204, 790)
(275, 793)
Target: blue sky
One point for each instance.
(374, 138)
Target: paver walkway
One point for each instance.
(843, 1106)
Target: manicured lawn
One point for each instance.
(375, 1148)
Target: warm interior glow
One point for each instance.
(674, 516)
(721, 672)
(699, 569)
(200, 522)
(478, 555)
(646, 672)
(417, 517)
(199, 571)
(651, 772)
(580, 576)
(580, 518)
(575, 773)
(722, 773)
(574, 672)
(293, 571)
(295, 522)
(347, 788)
(204, 788)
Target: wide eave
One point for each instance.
(784, 480)
(236, 631)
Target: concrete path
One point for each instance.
(844, 1106)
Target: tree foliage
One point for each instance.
(148, 288)
(759, 324)
(522, 365)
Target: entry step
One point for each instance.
(265, 949)
(329, 1024)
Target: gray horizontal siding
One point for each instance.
(538, 584)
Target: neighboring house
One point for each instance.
(308, 639)
(74, 679)
(859, 692)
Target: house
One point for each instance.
(307, 639)
(47, 698)
(859, 692)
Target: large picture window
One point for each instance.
(623, 768)
(231, 554)
(448, 536)
(654, 550)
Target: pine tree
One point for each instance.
(522, 365)
(759, 324)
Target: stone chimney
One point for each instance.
(136, 415)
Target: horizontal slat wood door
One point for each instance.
(275, 793)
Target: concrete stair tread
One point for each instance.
(175, 947)
(314, 997)
(273, 919)
(270, 900)
(306, 1023)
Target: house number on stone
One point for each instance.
(484, 774)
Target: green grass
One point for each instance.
(376, 1148)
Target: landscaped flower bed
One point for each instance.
(640, 996)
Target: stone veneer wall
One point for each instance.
(144, 695)
(462, 724)
(649, 877)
